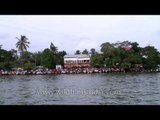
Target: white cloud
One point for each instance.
(70, 33)
(86, 44)
(4, 35)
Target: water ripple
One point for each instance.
(116, 89)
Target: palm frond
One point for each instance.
(22, 43)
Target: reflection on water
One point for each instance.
(81, 89)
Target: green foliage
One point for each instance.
(124, 54)
(135, 47)
(53, 48)
(6, 59)
(27, 56)
(22, 44)
(77, 52)
(48, 59)
(106, 48)
(134, 58)
(93, 51)
(28, 66)
(85, 52)
(38, 58)
(152, 57)
(97, 60)
(59, 58)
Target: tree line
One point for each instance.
(126, 54)
(49, 57)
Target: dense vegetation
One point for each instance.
(126, 54)
(49, 57)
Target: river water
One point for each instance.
(81, 89)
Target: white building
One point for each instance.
(71, 61)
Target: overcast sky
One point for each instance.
(73, 32)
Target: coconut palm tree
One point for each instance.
(22, 44)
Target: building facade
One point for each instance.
(76, 61)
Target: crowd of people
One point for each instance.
(45, 71)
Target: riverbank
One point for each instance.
(74, 71)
